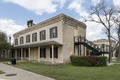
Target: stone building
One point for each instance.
(49, 41)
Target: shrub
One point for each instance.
(88, 60)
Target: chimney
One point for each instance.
(30, 23)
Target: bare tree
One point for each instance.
(103, 14)
(117, 25)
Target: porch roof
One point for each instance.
(39, 44)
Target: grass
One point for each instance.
(1, 72)
(4, 60)
(70, 72)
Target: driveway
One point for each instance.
(13, 73)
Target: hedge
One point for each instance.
(88, 60)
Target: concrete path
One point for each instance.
(21, 74)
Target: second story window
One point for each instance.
(28, 39)
(53, 32)
(42, 35)
(21, 40)
(34, 37)
(16, 41)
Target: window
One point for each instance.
(21, 40)
(28, 39)
(16, 41)
(34, 37)
(42, 35)
(43, 52)
(53, 32)
(27, 53)
(55, 52)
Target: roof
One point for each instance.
(102, 40)
(61, 17)
(39, 44)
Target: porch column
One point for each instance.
(21, 54)
(38, 54)
(29, 53)
(52, 54)
(16, 54)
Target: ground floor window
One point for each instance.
(26, 52)
(43, 52)
(55, 52)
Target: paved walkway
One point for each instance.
(21, 74)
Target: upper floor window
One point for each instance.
(21, 40)
(34, 37)
(53, 32)
(42, 35)
(28, 39)
(16, 41)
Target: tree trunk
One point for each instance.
(119, 43)
(110, 47)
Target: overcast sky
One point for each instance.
(15, 13)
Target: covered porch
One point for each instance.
(50, 52)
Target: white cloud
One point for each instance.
(94, 30)
(116, 3)
(9, 26)
(39, 6)
(76, 5)
(94, 2)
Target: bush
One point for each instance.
(88, 60)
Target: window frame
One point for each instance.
(55, 52)
(27, 38)
(43, 35)
(42, 52)
(16, 41)
(34, 37)
(53, 32)
(22, 40)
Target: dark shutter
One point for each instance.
(50, 33)
(40, 35)
(40, 52)
(56, 32)
(45, 34)
(44, 52)
(50, 52)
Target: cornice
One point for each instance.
(62, 17)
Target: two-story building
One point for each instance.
(49, 41)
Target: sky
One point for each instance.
(14, 14)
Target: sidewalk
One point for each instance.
(21, 74)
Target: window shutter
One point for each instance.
(50, 33)
(40, 53)
(56, 32)
(45, 34)
(50, 52)
(56, 52)
(44, 52)
(40, 35)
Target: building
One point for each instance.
(103, 44)
(49, 41)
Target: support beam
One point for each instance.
(38, 54)
(16, 54)
(52, 54)
(29, 53)
(21, 54)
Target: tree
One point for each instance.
(103, 14)
(3, 42)
(117, 25)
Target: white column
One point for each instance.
(16, 54)
(52, 54)
(38, 54)
(21, 54)
(29, 53)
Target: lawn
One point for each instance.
(70, 72)
(1, 72)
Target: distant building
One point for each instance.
(104, 45)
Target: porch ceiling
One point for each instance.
(39, 44)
